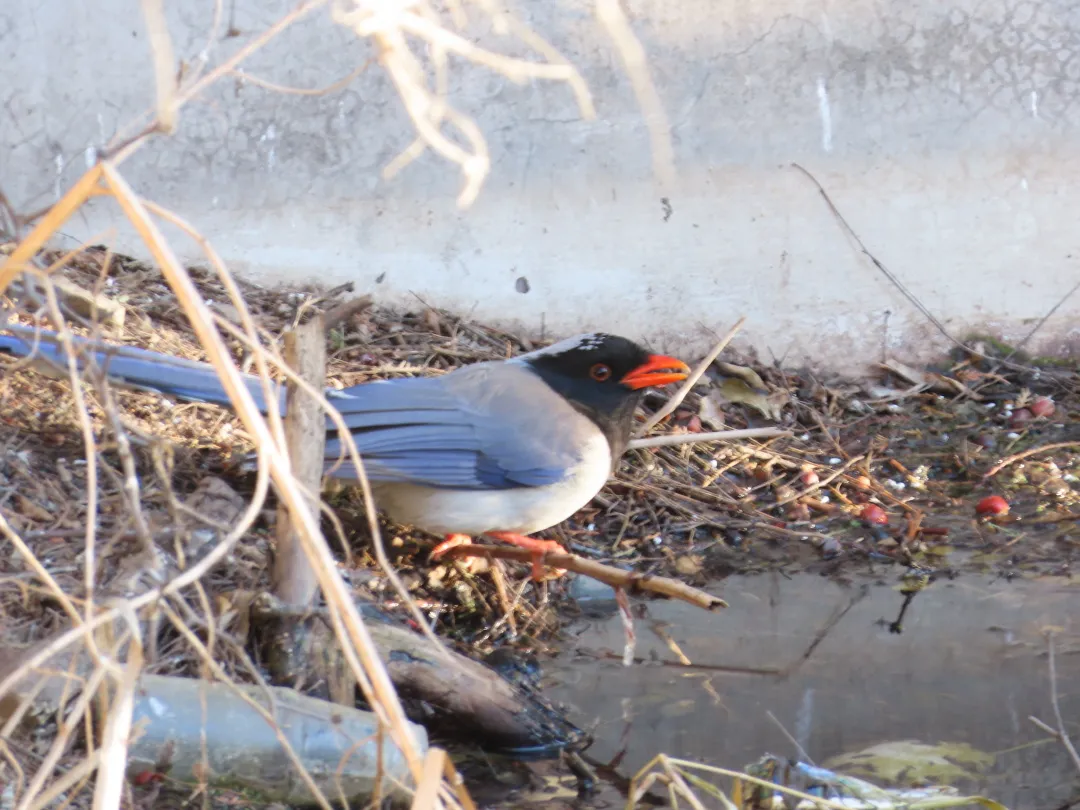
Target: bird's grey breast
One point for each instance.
(521, 424)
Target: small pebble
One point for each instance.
(990, 405)
(830, 548)
(714, 463)
(835, 460)
(805, 437)
(824, 499)
(1011, 436)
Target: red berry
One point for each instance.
(874, 514)
(1043, 406)
(1020, 418)
(993, 505)
(809, 477)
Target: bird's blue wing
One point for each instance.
(428, 431)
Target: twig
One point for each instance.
(1005, 462)
(333, 317)
(1060, 733)
(294, 581)
(1044, 319)
(85, 187)
(164, 64)
(611, 15)
(675, 439)
(65, 732)
(893, 279)
(247, 78)
(791, 739)
(350, 450)
(614, 577)
(851, 462)
(691, 381)
(122, 145)
(622, 600)
(130, 486)
(114, 744)
(379, 691)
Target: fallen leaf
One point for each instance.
(27, 507)
(688, 565)
(736, 390)
(745, 373)
(710, 412)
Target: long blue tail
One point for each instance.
(127, 366)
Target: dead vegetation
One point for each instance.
(866, 474)
(922, 446)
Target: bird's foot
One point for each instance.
(451, 541)
(473, 565)
(538, 547)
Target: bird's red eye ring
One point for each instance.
(600, 372)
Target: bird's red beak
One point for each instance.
(657, 370)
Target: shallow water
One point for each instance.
(970, 666)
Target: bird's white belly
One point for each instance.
(522, 511)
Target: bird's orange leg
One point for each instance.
(451, 541)
(538, 547)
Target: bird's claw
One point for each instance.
(451, 541)
(538, 547)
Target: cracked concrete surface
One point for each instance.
(946, 133)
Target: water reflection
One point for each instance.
(970, 666)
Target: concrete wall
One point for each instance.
(947, 133)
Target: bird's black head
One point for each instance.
(604, 377)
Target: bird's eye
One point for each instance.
(600, 372)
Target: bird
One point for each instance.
(502, 449)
